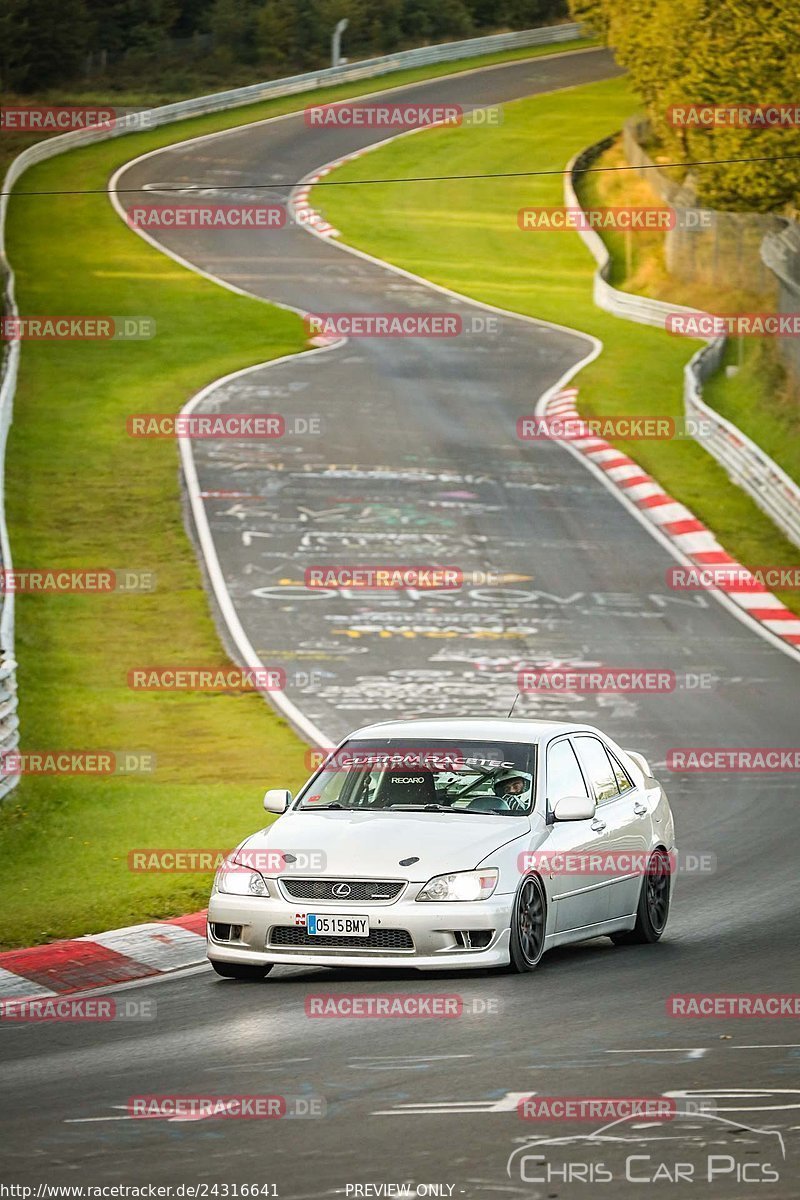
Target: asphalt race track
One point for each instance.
(418, 462)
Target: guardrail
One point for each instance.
(746, 463)
(149, 119)
(620, 304)
(9, 721)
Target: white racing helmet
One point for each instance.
(501, 781)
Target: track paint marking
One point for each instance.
(88, 1120)
(692, 1051)
(392, 1058)
(507, 1103)
(769, 1046)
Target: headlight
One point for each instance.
(240, 881)
(466, 885)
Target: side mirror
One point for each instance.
(574, 808)
(277, 800)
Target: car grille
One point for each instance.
(361, 890)
(378, 939)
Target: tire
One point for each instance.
(652, 913)
(528, 924)
(247, 971)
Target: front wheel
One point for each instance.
(241, 970)
(528, 926)
(653, 910)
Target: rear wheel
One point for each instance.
(653, 910)
(241, 970)
(528, 926)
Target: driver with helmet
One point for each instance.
(513, 786)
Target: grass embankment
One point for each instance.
(757, 398)
(463, 234)
(80, 493)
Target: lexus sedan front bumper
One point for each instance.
(444, 936)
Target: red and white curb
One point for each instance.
(675, 521)
(102, 959)
(302, 211)
(299, 206)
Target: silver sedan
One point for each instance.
(450, 843)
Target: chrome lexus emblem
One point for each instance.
(341, 890)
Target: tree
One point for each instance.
(120, 26)
(56, 42)
(234, 25)
(712, 52)
(13, 44)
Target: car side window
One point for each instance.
(564, 777)
(623, 782)
(599, 769)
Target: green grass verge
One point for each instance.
(759, 400)
(80, 493)
(463, 234)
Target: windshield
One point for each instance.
(434, 776)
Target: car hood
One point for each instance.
(372, 844)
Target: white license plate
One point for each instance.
(339, 926)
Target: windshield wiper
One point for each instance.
(424, 808)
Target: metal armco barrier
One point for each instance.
(150, 119)
(746, 463)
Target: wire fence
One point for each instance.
(706, 245)
(781, 254)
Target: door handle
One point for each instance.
(639, 808)
(597, 825)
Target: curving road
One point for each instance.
(419, 462)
